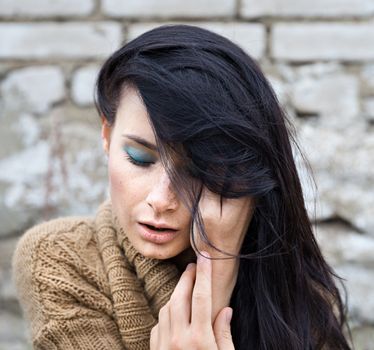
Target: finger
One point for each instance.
(222, 330)
(154, 338)
(163, 327)
(180, 301)
(202, 293)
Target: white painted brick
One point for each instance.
(368, 107)
(33, 89)
(280, 88)
(307, 8)
(58, 40)
(329, 41)
(251, 37)
(169, 8)
(358, 286)
(333, 96)
(83, 84)
(367, 75)
(340, 161)
(45, 8)
(341, 243)
(317, 70)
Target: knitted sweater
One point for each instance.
(82, 285)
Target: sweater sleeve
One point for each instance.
(62, 288)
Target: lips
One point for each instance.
(157, 229)
(156, 235)
(158, 226)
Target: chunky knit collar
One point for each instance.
(139, 286)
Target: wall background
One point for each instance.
(319, 56)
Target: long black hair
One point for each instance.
(218, 124)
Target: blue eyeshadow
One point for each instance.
(138, 155)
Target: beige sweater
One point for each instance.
(82, 285)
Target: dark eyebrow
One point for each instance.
(141, 141)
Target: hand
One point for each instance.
(185, 321)
(226, 231)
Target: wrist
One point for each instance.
(224, 276)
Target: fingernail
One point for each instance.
(190, 266)
(229, 316)
(203, 255)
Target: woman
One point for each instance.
(200, 164)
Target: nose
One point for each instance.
(162, 197)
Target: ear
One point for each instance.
(105, 134)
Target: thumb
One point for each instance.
(222, 330)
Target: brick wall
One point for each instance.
(318, 55)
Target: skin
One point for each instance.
(185, 321)
(142, 193)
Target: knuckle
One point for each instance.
(181, 289)
(199, 343)
(176, 343)
(226, 334)
(174, 299)
(177, 300)
(173, 303)
(195, 344)
(164, 310)
(200, 296)
(198, 336)
(154, 330)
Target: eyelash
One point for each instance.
(137, 163)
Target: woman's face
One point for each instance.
(141, 190)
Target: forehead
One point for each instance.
(132, 115)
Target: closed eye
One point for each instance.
(138, 157)
(138, 162)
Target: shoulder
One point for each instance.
(62, 286)
(50, 230)
(52, 238)
(57, 269)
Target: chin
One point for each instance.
(157, 255)
(157, 252)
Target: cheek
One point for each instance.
(127, 186)
(123, 194)
(116, 176)
(121, 180)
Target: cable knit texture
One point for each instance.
(82, 285)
